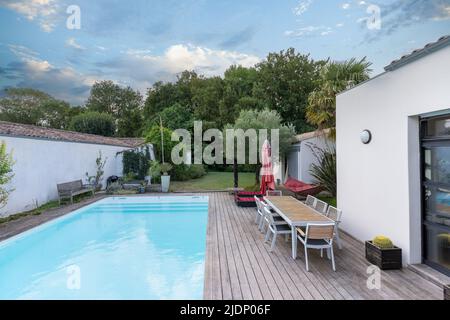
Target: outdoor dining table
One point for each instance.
(296, 214)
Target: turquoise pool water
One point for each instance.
(117, 248)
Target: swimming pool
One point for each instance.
(117, 248)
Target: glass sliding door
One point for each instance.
(436, 192)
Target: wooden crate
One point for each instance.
(447, 292)
(385, 259)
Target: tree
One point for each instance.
(284, 83)
(153, 136)
(54, 114)
(176, 117)
(6, 174)
(238, 88)
(335, 77)
(266, 119)
(94, 123)
(123, 104)
(159, 96)
(206, 96)
(29, 106)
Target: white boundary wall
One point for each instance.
(41, 164)
(379, 183)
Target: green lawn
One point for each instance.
(213, 181)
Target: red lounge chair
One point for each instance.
(250, 194)
(302, 189)
(245, 201)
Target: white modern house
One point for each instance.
(46, 157)
(303, 154)
(393, 154)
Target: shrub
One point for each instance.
(383, 242)
(165, 168)
(6, 175)
(197, 171)
(324, 172)
(136, 163)
(154, 171)
(94, 123)
(180, 173)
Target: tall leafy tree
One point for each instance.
(285, 81)
(238, 88)
(176, 117)
(206, 97)
(335, 77)
(159, 96)
(30, 106)
(124, 104)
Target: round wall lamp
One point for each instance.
(366, 137)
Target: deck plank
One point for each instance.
(239, 265)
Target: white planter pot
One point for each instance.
(165, 183)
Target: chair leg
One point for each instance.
(332, 259)
(321, 253)
(306, 259)
(267, 235)
(328, 254)
(274, 240)
(261, 224)
(338, 239)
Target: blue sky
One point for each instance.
(139, 42)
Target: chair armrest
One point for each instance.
(300, 231)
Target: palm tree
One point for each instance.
(335, 77)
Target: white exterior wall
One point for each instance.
(379, 183)
(306, 158)
(41, 164)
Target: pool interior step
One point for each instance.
(430, 274)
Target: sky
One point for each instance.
(46, 45)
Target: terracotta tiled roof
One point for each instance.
(419, 53)
(29, 131)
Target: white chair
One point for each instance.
(319, 237)
(321, 206)
(259, 211)
(335, 215)
(310, 201)
(274, 193)
(276, 228)
(265, 219)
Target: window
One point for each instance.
(436, 192)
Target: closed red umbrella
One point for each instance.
(267, 178)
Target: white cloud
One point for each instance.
(62, 83)
(302, 7)
(72, 43)
(141, 68)
(309, 31)
(42, 11)
(345, 6)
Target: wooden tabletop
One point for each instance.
(295, 212)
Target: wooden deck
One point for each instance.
(240, 266)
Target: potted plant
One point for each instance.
(165, 178)
(382, 253)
